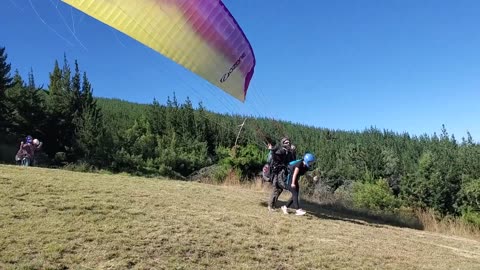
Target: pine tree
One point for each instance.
(91, 140)
(76, 108)
(55, 93)
(66, 76)
(156, 116)
(14, 103)
(58, 114)
(71, 109)
(27, 105)
(204, 131)
(5, 78)
(36, 104)
(5, 83)
(87, 92)
(188, 120)
(201, 121)
(171, 115)
(76, 92)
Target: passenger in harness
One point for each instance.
(26, 154)
(281, 155)
(296, 169)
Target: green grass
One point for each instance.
(57, 219)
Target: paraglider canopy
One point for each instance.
(200, 35)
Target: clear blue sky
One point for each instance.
(398, 65)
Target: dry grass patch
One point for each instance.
(54, 219)
(450, 226)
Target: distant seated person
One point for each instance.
(26, 153)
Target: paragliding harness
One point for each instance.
(23, 158)
(267, 169)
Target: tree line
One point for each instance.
(177, 139)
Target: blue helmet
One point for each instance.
(29, 139)
(308, 159)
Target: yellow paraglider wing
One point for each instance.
(200, 35)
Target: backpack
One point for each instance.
(291, 164)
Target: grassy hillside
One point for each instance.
(55, 219)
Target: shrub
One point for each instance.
(470, 202)
(375, 196)
(472, 217)
(470, 195)
(221, 173)
(247, 161)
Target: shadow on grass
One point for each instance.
(355, 216)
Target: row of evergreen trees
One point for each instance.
(64, 117)
(175, 139)
(172, 139)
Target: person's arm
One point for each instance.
(274, 148)
(277, 150)
(294, 177)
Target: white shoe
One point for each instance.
(300, 212)
(284, 209)
(271, 209)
